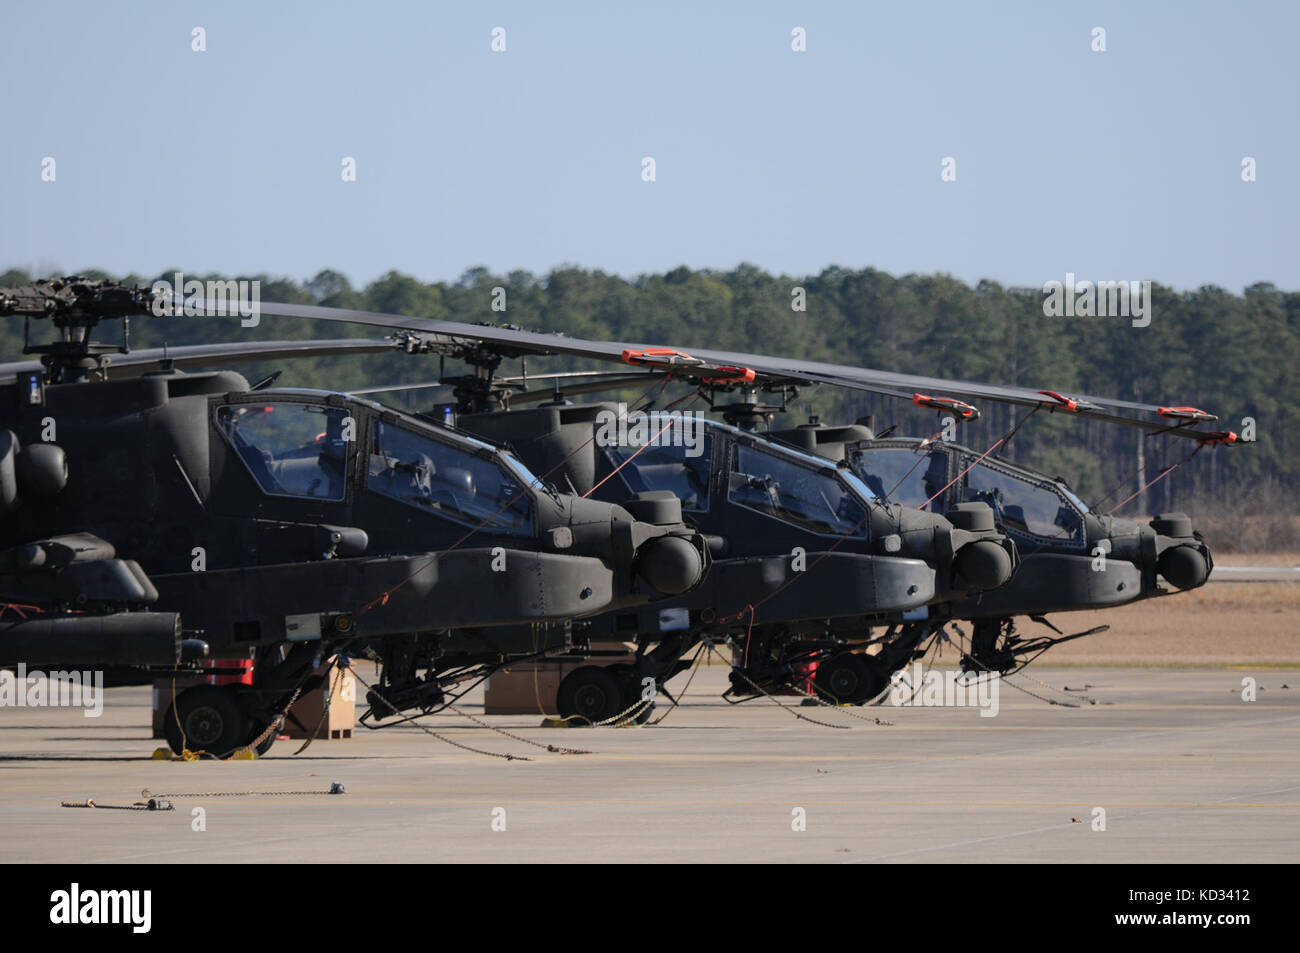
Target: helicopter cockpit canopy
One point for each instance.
(790, 486)
(292, 449)
(803, 493)
(1038, 509)
(901, 474)
(299, 449)
(431, 475)
(1023, 502)
(663, 464)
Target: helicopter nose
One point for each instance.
(670, 564)
(980, 563)
(1184, 566)
(983, 564)
(1183, 560)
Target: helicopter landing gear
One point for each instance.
(634, 687)
(593, 693)
(777, 666)
(208, 718)
(849, 679)
(985, 654)
(257, 729)
(213, 719)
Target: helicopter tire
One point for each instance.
(632, 688)
(211, 719)
(590, 692)
(848, 679)
(265, 746)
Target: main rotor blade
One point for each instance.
(136, 363)
(592, 387)
(511, 342)
(391, 388)
(451, 333)
(605, 381)
(1030, 399)
(614, 376)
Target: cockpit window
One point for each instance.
(439, 478)
(902, 474)
(1074, 498)
(796, 494)
(660, 466)
(291, 449)
(1021, 506)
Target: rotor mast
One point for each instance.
(75, 306)
(749, 413)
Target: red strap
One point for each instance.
(1219, 437)
(730, 375)
(1185, 413)
(960, 407)
(658, 357)
(1069, 403)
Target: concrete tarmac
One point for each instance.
(1255, 574)
(1184, 769)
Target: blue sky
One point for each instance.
(1117, 165)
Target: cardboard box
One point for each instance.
(339, 718)
(530, 688)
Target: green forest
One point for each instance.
(1234, 355)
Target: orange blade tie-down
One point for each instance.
(959, 407)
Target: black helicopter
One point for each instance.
(1168, 548)
(764, 528)
(161, 517)
(1071, 556)
(892, 563)
(485, 347)
(806, 557)
(1073, 559)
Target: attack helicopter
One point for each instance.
(764, 529)
(1071, 557)
(877, 571)
(1169, 548)
(1079, 560)
(805, 556)
(481, 392)
(161, 517)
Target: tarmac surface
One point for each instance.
(1255, 574)
(1184, 768)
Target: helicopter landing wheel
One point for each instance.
(632, 690)
(848, 679)
(257, 729)
(592, 693)
(206, 718)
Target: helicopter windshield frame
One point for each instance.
(1014, 513)
(413, 466)
(294, 460)
(782, 490)
(672, 470)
